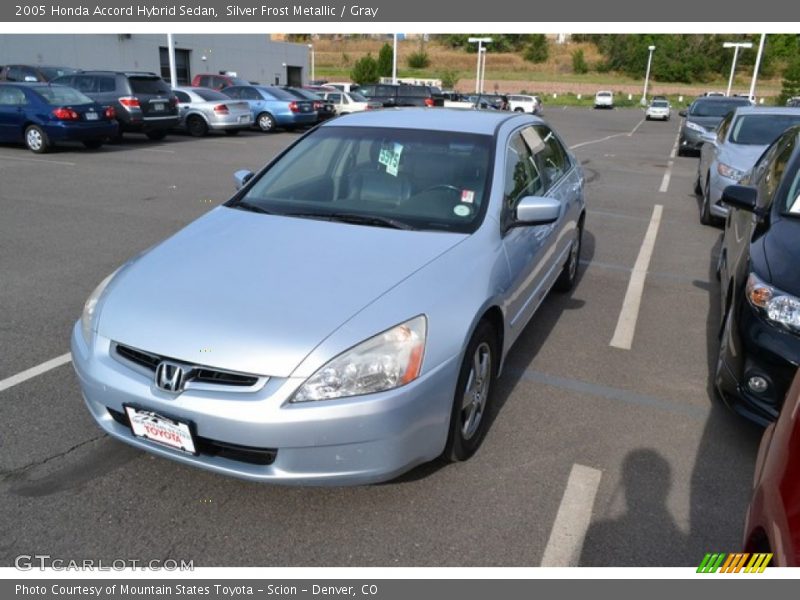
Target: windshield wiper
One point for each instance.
(249, 206)
(355, 219)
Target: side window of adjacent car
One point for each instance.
(233, 92)
(551, 155)
(522, 177)
(183, 97)
(11, 96)
(105, 84)
(775, 169)
(722, 130)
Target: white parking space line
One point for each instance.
(35, 371)
(572, 520)
(38, 160)
(665, 181)
(677, 140)
(626, 324)
(608, 137)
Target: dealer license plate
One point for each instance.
(91, 116)
(160, 429)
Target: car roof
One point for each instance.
(466, 120)
(125, 73)
(767, 110)
(743, 99)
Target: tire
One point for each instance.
(518, 109)
(646, 118)
(196, 126)
(156, 135)
(232, 131)
(93, 144)
(266, 122)
(569, 273)
(724, 334)
(36, 140)
(473, 399)
(698, 188)
(706, 218)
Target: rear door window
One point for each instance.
(11, 96)
(85, 83)
(105, 84)
(183, 97)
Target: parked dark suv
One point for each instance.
(33, 72)
(403, 95)
(143, 101)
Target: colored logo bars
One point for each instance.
(733, 563)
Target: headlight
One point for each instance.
(383, 362)
(90, 308)
(695, 127)
(777, 306)
(729, 172)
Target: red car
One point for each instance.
(773, 521)
(217, 81)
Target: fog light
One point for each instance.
(757, 384)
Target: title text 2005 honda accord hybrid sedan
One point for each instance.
(344, 316)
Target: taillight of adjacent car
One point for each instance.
(66, 114)
(110, 113)
(428, 101)
(293, 106)
(222, 109)
(130, 102)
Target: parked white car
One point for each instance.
(528, 104)
(604, 99)
(658, 109)
(349, 102)
(345, 87)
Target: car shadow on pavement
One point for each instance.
(527, 346)
(721, 480)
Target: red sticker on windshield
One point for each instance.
(467, 196)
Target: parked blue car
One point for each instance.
(41, 115)
(376, 275)
(273, 107)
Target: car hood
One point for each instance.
(707, 122)
(741, 156)
(781, 246)
(256, 293)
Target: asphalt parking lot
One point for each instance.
(605, 412)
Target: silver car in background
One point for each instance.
(202, 110)
(658, 109)
(344, 316)
(729, 152)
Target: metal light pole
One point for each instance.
(483, 70)
(173, 78)
(313, 74)
(647, 74)
(735, 46)
(480, 42)
(755, 69)
(394, 61)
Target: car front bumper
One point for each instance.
(716, 185)
(358, 440)
(690, 139)
(757, 348)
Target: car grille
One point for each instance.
(209, 447)
(199, 374)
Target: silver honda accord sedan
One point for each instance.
(345, 315)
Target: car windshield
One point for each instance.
(51, 73)
(660, 104)
(761, 129)
(59, 95)
(406, 178)
(356, 97)
(604, 94)
(210, 95)
(712, 108)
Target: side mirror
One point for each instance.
(743, 197)
(682, 113)
(537, 210)
(242, 177)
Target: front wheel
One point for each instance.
(706, 218)
(569, 274)
(36, 140)
(469, 417)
